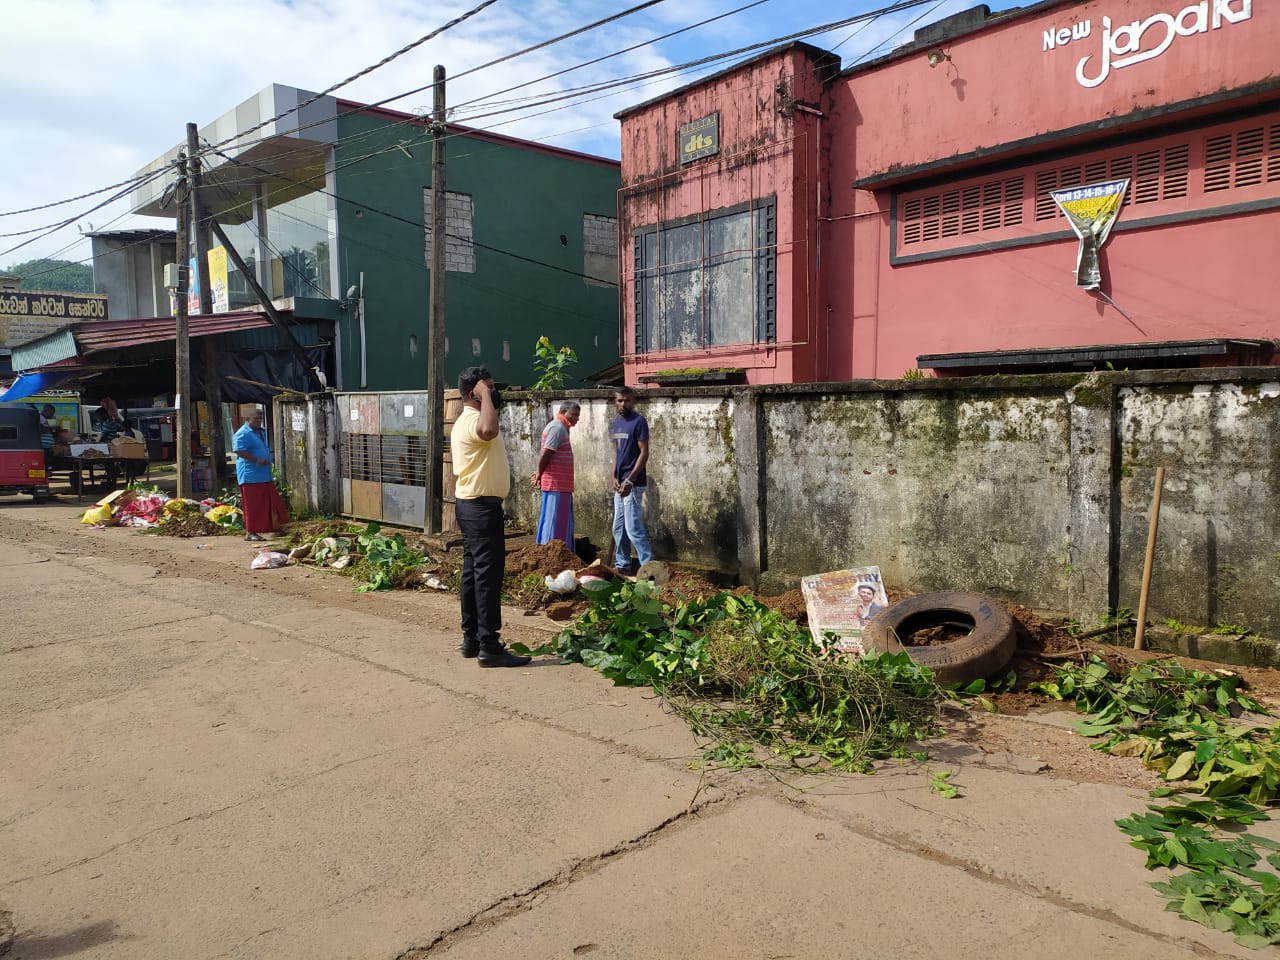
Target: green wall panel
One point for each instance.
(524, 200)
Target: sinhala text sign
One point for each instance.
(21, 304)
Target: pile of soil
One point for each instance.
(936, 636)
(688, 583)
(789, 604)
(188, 525)
(547, 559)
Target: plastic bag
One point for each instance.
(96, 515)
(563, 582)
(268, 560)
(225, 515)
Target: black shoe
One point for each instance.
(470, 648)
(500, 656)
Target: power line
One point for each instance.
(638, 78)
(421, 225)
(280, 116)
(573, 93)
(111, 199)
(587, 90)
(616, 53)
(237, 139)
(367, 70)
(646, 4)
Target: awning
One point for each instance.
(1161, 353)
(94, 336)
(29, 384)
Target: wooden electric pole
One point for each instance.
(208, 347)
(182, 342)
(435, 323)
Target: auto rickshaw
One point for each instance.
(22, 463)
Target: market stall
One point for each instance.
(95, 463)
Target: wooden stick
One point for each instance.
(1146, 566)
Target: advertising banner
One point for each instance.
(1092, 211)
(218, 279)
(193, 288)
(840, 604)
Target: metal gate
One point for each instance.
(382, 456)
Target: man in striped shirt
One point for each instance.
(554, 476)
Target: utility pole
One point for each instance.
(182, 342)
(435, 324)
(208, 347)
(272, 313)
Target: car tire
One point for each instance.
(983, 653)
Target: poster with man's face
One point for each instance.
(842, 603)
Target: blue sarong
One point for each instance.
(555, 522)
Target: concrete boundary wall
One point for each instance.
(1032, 488)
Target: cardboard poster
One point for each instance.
(841, 603)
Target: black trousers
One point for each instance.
(484, 562)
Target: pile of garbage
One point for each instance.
(169, 516)
(383, 562)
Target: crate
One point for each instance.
(128, 448)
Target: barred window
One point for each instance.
(707, 282)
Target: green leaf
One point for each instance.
(1241, 905)
(1253, 941)
(1091, 728)
(1193, 909)
(1182, 766)
(1222, 922)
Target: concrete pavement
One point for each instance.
(201, 761)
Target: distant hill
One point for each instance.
(65, 275)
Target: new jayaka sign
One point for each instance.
(1123, 45)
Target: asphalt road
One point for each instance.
(201, 761)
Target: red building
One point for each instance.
(798, 223)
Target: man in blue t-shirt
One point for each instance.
(630, 436)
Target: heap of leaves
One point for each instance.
(380, 561)
(385, 561)
(753, 682)
(1182, 723)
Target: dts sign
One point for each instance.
(701, 138)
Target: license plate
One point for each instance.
(35, 474)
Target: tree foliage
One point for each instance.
(65, 276)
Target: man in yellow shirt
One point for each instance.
(484, 480)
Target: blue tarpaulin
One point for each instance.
(30, 384)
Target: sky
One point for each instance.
(97, 89)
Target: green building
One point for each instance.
(327, 205)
